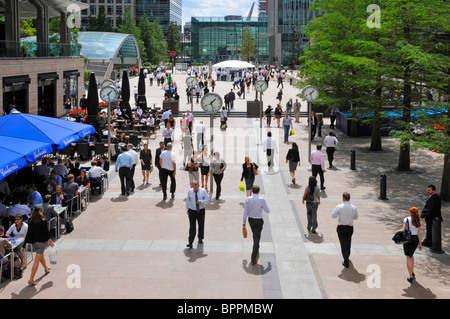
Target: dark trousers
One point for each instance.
(218, 179)
(132, 177)
(330, 155)
(189, 99)
(332, 119)
(313, 132)
(160, 174)
(345, 239)
(173, 184)
(429, 236)
(124, 175)
(256, 225)
(317, 169)
(194, 219)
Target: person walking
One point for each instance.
(217, 167)
(330, 141)
(195, 206)
(200, 131)
(270, 146)
(297, 107)
(248, 173)
(168, 134)
(192, 167)
(278, 113)
(431, 211)
(232, 98)
(145, 157)
(268, 115)
(313, 125)
(158, 152)
(346, 214)
(253, 208)
(289, 106)
(412, 222)
(223, 118)
(204, 168)
(38, 236)
(333, 114)
(312, 198)
(318, 165)
(293, 157)
(287, 126)
(135, 157)
(124, 163)
(168, 168)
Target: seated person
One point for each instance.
(75, 171)
(34, 197)
(52, 181)
(122, 139)
(19, 230)
(43, 169)
(4, 244)
(70, 187)
(48, 209)
(60, 168)
(59, 197)
(103, 163)
(3, 212)
(83, 179)
(19, 208)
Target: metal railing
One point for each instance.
(30, 49)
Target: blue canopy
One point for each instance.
(59, 133)
(17, 152)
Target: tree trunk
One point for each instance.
(375, 144)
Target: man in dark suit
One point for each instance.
(313, 124)
(232, 98)
(431, 210)
(158, 154)
(104, 163)
(59, 197)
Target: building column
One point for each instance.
(12, 28)
(64, 35)
(42, 32)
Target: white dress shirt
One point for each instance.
(330, 141)
(253, 207)
(167, 158)
(96, 172)
(135, 156)
(270, 144)
(346, 213)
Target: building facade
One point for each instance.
(218, 39)
(165, 10)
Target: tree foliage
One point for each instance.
(248, 45)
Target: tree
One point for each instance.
(173, 37)
(248, 45)
(128, 26)
(99, 23)
(156, 46)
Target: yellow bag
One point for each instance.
(242, 187)
(292, 132)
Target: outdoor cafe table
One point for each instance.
(59, 210)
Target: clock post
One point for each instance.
(310, 93)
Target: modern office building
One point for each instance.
(286, 23)
(165, 10)
(217, 39)
(38, 77)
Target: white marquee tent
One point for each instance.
(233, 64)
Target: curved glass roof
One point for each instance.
(106, 45)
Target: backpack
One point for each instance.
(69, 225)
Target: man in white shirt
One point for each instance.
(270, 146)
(330, 142)
(168, 168)
(253, 208)
(135, 157)
(168, 134)
(346, 213)
(317, 165)
(195, 206)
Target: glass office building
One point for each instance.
(218, 39)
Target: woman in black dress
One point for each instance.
(146, 162)
(248, 173)
(293, 157)
(413, 223)
(278, 113)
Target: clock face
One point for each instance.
(211, 103)
(107, 82)
(310, 93)
(260, 85)
(108, 94)
(191, 81)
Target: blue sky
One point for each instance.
(217, 8)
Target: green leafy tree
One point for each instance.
(128, 26)
(248, 45)
(157, 51)
(99, 23)
(173, 37)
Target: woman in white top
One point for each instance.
(413, 222)
(18, 229)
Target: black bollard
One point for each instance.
(436, 240)
(352, 160)
(383, 187)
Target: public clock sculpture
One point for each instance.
(191, 81)
(260, 86)
(107, 82)
(310, 93)
(211, 103)
(108, 93)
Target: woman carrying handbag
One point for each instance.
(412, 222)
(248, 173)
(312, 198)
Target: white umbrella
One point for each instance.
(233, 64)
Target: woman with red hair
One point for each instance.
(413, 222)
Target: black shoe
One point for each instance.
(173, 195)
(346, 264)
(410, 280)
(189, 246)
(165, 197)
(200, 241)
(254, 262)
(322, 188)
(314, 232)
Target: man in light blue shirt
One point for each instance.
(253, 207)
(124, 163)
(34, 197)
(195, 206)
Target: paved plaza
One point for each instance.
(135, 247)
